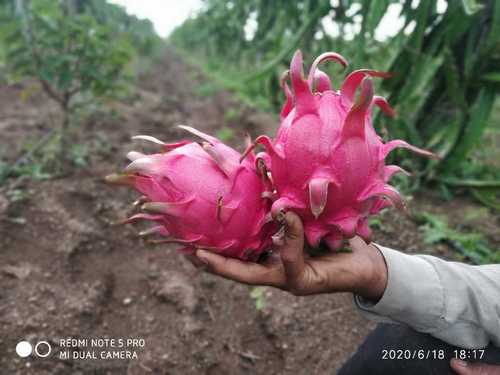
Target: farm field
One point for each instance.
(67, 272)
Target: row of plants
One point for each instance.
(443, 56)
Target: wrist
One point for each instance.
(373, 277)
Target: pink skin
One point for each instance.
(327, 162)
(201, 196)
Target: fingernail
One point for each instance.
(280, 216)
(461, 363)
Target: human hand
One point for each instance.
(362, 271)
(465, 368)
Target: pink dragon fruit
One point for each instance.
(201, 196)
(327, 162)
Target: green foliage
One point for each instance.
(445, 64)
(69, 53)
(377, 223)
(206, 89)
(139, 32)
(225, 134)
(489, 197)
(34, 170)
(79, 155)
(232, 114)
(258, 294)
(78, 51)
(471, 6)
(470, 245)
(17, 195)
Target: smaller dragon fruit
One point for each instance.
(201, 196)
(327, 162)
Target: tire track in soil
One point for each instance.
(65, 272)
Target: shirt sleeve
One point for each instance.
(454, 302)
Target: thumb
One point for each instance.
(292, 252)
(357, 244)
(465, 368)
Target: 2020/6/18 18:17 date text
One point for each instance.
(405, 354)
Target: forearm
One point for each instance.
(457, 303)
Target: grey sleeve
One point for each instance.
(455, 302)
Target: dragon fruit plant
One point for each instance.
(202, 196)
(327, 162)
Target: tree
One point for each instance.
(66, 50)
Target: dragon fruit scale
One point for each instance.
(201, 196)
(326, 161)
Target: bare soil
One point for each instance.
(66, 272)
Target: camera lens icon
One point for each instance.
(42, 349)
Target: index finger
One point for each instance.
(237, 270)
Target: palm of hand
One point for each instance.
(361, 271)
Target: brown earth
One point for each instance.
(65, 272)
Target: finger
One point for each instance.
(358, 244)
(234, 269)
(292, 252)
(465, 368)
(195, 261)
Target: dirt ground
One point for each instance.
(66, 272)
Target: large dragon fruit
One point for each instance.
(200, 195)
(327, 162)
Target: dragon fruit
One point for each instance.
(201, 196)
(327, 162)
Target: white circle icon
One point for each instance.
(23, 349)
(38, 351)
